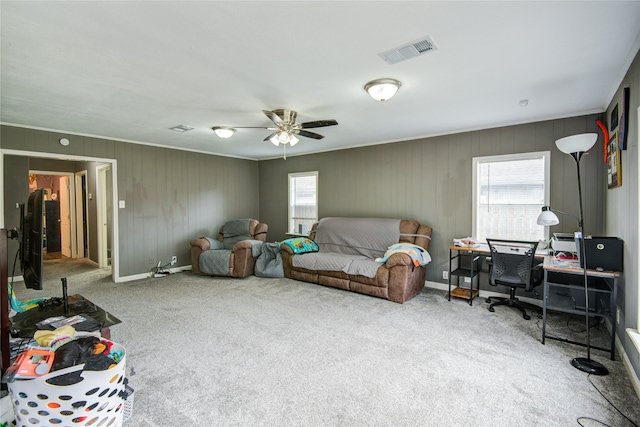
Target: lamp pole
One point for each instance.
(585, 364)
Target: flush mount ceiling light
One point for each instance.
(223, 132)
(382, 89)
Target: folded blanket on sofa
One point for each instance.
(418, 254)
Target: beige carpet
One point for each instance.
(205, 351)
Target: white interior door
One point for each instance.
(65, 216)
(103, 190)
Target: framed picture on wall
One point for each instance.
(614, 171)
(614, 118)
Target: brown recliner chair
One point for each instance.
(234, 251)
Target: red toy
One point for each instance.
(29, 364)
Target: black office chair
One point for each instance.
(513, 264)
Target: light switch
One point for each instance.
(121, 204)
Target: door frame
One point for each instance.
(115, 256)
(102, 214)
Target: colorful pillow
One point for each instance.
(300, 245)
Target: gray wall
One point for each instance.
(430, 180)
(16, 191)
(171, 196)
(621, 216)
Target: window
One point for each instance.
(303, 201)
(508, 194)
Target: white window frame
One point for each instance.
(291, 177)
(546, 155)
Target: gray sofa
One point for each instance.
(346, 257)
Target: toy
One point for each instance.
(29, 364)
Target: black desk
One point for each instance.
(564, 291)
(24, 324)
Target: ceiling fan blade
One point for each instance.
(272, 116)
(270, 136)
(309, 134)
(318, 124)
(249, 127)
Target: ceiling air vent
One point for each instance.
(409, 50)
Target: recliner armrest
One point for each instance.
(243, 244)
(201, 243)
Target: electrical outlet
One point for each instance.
(467, 280)
(174, 260)
(445, 274)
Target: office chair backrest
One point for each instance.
(512, 262)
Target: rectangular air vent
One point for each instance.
(409, 50)
(181, 128)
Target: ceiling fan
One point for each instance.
(286, 127)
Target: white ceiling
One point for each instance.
(132, 70)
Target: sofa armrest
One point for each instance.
(201, 243)
(399, 259)
(287, 249)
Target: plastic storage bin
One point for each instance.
(97, 400)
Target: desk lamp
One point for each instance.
(576, 146)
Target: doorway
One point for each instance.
(60, 218)
(86, 179)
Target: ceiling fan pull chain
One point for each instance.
(284, 146)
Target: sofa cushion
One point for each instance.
(369, 237)
(324, 261)
(235, 231)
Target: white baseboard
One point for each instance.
(635, 337)
(147, 275)
(482, 293)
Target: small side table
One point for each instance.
(468, 265)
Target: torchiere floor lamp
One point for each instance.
(576, 146)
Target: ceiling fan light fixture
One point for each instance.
(223, 132)
(293, 140)
(382, 89)
(283, 137)
(274, 140)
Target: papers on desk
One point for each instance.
(467, 242)
(563, 262)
